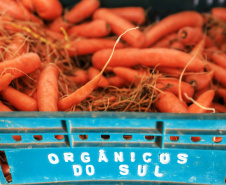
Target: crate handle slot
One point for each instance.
(195, 139)
(174, 138)
(105, 137)
(59, 137)
(38, 137)
(217, 139)
(149, 138)
(5, 167)
(17, 138)
(83, 137)
(127, 137)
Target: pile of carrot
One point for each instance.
(63, 60)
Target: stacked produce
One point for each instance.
(55, 60)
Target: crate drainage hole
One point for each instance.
(174, 138)
(5, 167)
(59, 137)
(83, 137)
(38, 137)
(105, 137)
(149, 138)
(195, 139)
(17, 138)
(127, 137)
(217, 139)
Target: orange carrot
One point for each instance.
(17, 10)
(89, 46)
(168, 102)
(53, 34)
(59, 23)
(81, 11)
(152, 57)
(173, 85)
(19, 100)
(117, 81)
(222, 93)
(216, 33)
(80, 77)
(28, 4)
(96, 28)
(47, 91)
(219, 12)
(207, 53)
(204, 100)
(92, 72)
(223, 48)
(200, 92)
(190, 35)
(4, 108)
(22, 65)
(171, 24)
(48, 10)
(219, 73)
(119, 25)
(165, 41)
(220, 59)
(218, 107)
(197, 51)
(133, 14)
(199, 81)
(177, 45)
(5, 80)
(131, 75)
(170, 71)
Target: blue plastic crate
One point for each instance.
(114, 148)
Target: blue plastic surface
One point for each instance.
(109, 135)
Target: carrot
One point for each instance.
(16, 10)
(190, 35)
(82, 93)
(81, 11)
(216, 33)
(197, 51)
(173, 85)
(171, 24)
(204, 100)
(170, 71)
(133, 14)
(218, 107)
(48, 10)
(219, 12)
(22, 65)
(19, 100)
(28, 4)
(5, 80)
(92, 72)
(165, 41)
(199, 81)
(200, 92)
(53, 34)
(177, 45)
(222, 93)
(47, 90)
(96, 28)
(168, 102)
(4, 108)
(207, 53)
(219, 73)
(80, 77)
(220, 59)
(89, 46)
(223, 48)
(131, 75)
(117, 81)
(119, 25)
(59, 23)
(152, 57)
(16, 48)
